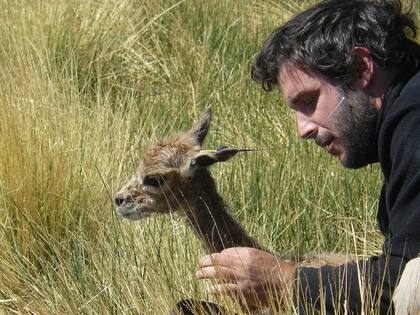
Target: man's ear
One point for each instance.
(366, 68)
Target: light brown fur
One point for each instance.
(173, 176)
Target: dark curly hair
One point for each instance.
(322, 40)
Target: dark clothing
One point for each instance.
(398, 139)
(191, 307)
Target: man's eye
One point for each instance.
(154, 181)
(310, 103)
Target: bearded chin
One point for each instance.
(357, 119)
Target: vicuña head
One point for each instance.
(167, 173)
(173, 176)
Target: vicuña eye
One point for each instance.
(154, 180)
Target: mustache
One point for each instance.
(322, 139)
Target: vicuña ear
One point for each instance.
(206, 158)
(201, 127)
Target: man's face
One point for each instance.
(345, 124)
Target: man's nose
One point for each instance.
(306, 128)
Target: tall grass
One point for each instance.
(85, 85)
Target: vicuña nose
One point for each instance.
(118, 201)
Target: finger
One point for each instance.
(217, 272)
(230, 289)
(235, 250)
(214, 259)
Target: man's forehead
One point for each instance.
(294, 81)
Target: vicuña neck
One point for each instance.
(209, 217)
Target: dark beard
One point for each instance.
(357, 120)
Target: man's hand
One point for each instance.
(248, 273)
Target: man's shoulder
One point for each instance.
(399, 129)
(404, 100)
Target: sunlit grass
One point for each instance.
(85, 85)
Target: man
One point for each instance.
(351, 74)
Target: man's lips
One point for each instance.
(332, 149)
(329, 143)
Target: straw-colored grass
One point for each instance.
(85, 85)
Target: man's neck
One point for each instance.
(381, 85)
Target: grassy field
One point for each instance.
(85, 85)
